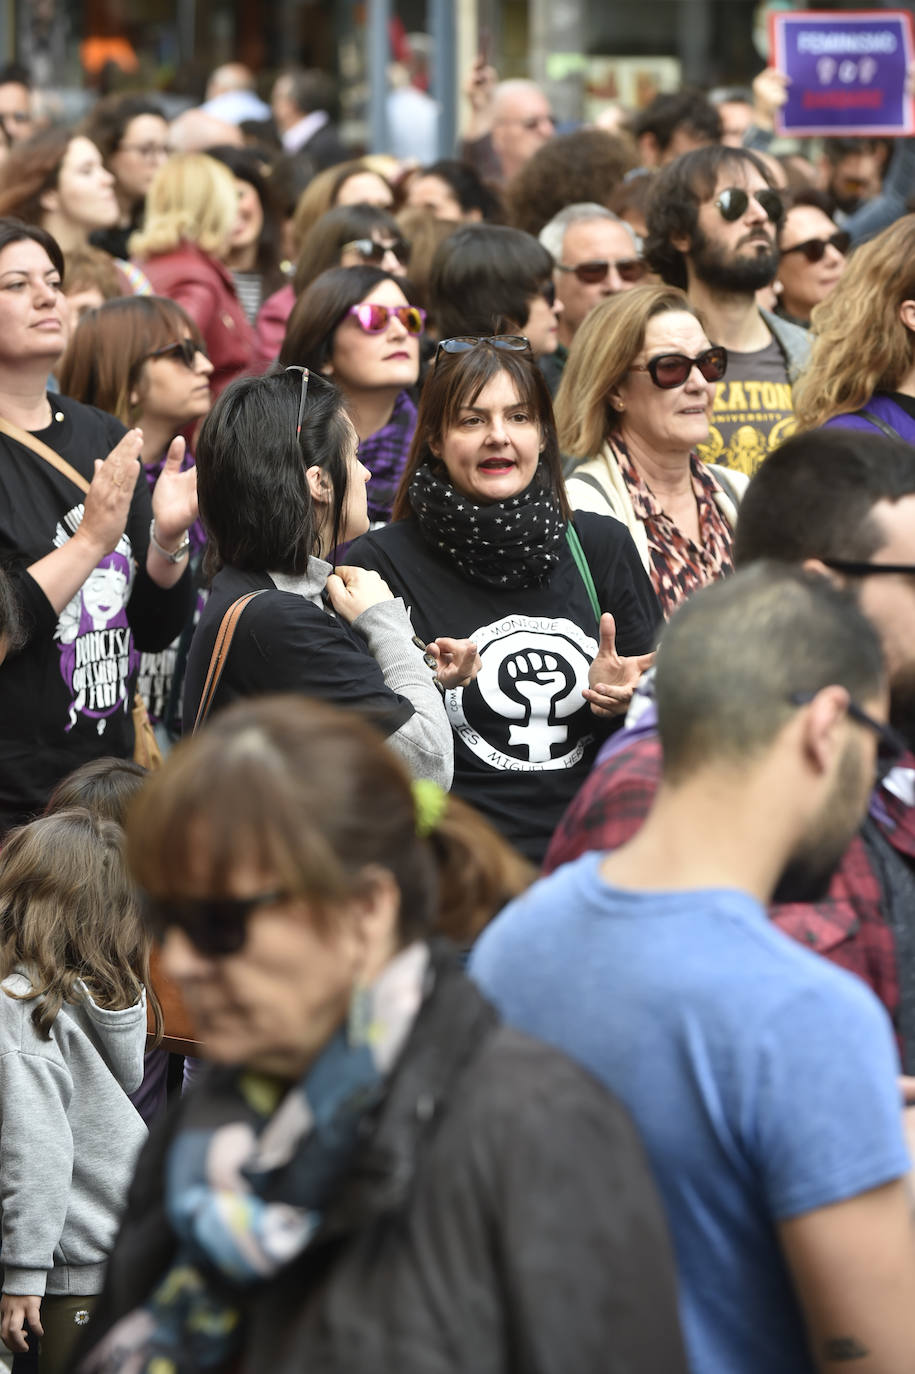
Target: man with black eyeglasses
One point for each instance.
(713, 220)
(762, 1080)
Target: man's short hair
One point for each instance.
(14, 74)
(553, 234)
(736, 651)
(678, 191)
(483, 278)
(310, 89)
(683, 109)
(814, 497)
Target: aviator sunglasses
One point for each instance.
(215, 926)
(734, 201)
(814, 250)
(629, 270)
(374, 319)
(373, 251)
(669, 370)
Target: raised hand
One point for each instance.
(107, 503)
(174, 498)
(457, 661)
(613, 679)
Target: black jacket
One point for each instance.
(500, 1218)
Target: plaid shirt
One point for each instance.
(847, 927)
(384, 453)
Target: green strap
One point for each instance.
(581, 564)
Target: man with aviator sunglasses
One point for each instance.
(712, 230)
(597, 254)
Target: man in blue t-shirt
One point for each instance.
(762, 1079)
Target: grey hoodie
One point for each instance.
(69, 1137)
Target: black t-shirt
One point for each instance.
(285, 643)
(66, 696)
(525, 738)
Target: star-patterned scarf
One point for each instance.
(513, 543)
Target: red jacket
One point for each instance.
(206, 290)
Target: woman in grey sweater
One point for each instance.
(73, 984)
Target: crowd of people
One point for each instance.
(457, 739)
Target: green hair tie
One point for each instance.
(430, 802)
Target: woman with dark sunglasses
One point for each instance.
(813, 253)
(100, 568)
(633, 404)
(412, 1186)
(356, 326)
(481, 544)
(142, 359)
(281, 490)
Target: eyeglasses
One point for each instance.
(182, 350)
(590, 273)
(548, 292)
(669, 370)
(814, 250)
(374, 319)
(462, 343)
(215, 926)
(149, 152)
(532, 122)
(734, 202)
(373, 251)
(891, 746)
(853, 569)
(302, 394)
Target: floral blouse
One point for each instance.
(678, 564)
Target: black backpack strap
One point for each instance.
(876, 421)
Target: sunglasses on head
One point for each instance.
(183, 350)
(462, 343)
(734, 202)
(629, 270)
(307, 376)
(890, 744)
(814, 250)
(374, 252)
(215, 926)
(374, 319)
(669, 370)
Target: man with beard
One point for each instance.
(827, 501)
(713, 219)
(762, 1079)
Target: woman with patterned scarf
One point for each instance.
(376, 1176)
(482, 542)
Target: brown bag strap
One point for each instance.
(27, 440)
(220, 653)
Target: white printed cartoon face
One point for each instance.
(94, 639)
(516, 714)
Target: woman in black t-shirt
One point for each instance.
(281, 487)
(482, 546)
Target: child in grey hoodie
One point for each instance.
(73, 987)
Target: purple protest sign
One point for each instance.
(846, 70)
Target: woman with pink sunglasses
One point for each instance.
(356, 326)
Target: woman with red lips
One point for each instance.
(634, 402)
(357, 327)
(480, 545)
(66, 518)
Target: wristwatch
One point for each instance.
(179, 553)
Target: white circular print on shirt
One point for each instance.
(516, 713)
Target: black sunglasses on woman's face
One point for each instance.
(215, 926)
(669, 370)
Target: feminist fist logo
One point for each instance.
(546, 684)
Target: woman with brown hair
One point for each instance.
(861, 373)
(142, 359)
(413, 1185)
(74, 978)
(482, 544)
(633, 404)
(57, 180)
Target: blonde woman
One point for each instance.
(74, 964)
(861, 373)
(191, 210)
(633, 405)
